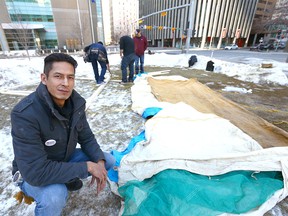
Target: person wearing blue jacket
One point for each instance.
(96, 53)
(46, 127)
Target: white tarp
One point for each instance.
(180, 137)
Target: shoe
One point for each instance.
(123, 83)
(101, 83)
(74, 184)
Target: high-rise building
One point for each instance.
(210, 23)
(107, 11)
(264, 10)
(124, 16)
(69, 24)
(263, 14)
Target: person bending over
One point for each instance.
(97, 53)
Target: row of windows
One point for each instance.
(30, 1)
(18, 39)
(47, 44)
(31, 18)
(267, 10)
(266, 2)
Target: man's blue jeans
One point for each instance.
(128, 61)
(103, 65)
(137, 59)
(51, 199)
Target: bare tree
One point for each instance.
(118, 34)
(280, 16)
(20, 30)
(76, 30)
(279, 21)
(260, 26)
(116, 37)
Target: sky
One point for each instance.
(20, 73)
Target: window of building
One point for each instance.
(31, 18)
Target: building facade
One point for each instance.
(51, 24)
(107, 11)
(124, 16)
(204, 23)
(263, 14)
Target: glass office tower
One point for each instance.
(36, 18)
(51, 24)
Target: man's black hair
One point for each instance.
(58, 57)
(100, 42)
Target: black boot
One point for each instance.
(74, 184)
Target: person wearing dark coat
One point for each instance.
(141, 44)
(46, 127)
(96, 53)
(127, 54)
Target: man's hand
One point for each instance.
(108, 68)
(99, 173)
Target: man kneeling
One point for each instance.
(46, 127)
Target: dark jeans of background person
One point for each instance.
(99, 79)
(128, 61)
(137, 59)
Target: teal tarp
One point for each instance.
(179, 192)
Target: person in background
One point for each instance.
(46, 127)
(96, 52)
(127, 53)
(141, 44)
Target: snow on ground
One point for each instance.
(20, 70)
(15, 72)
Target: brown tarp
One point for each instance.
(205, 100)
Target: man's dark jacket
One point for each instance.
(127, 45)
(36, 125)
(96, 51)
